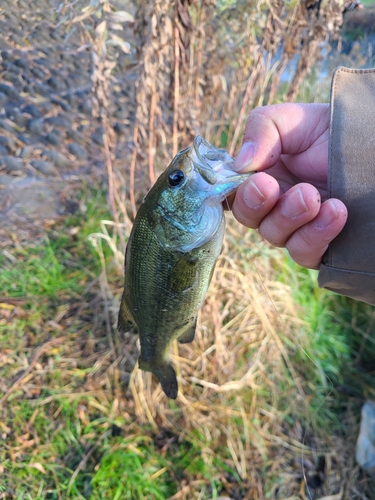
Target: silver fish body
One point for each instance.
(171, 254)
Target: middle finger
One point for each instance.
(294, 208)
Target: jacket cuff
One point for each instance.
(348, 267)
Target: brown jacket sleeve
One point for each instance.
(348, 266)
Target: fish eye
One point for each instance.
(176, 177)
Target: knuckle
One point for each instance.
(273, 236)
(305, 248)
(244, 219)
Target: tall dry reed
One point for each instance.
(201, 69)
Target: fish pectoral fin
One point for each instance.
(166, 375)
(188, 334)
(184, 274)
(125, 320)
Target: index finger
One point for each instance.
(281, 129)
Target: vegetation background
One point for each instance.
(272, 387)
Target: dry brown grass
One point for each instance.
(246, 398)
(241, 395)
(202, 69)
(238, 385)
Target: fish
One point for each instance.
(171, 253)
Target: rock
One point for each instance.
(32, 110)
(120, 129)
(63, 105)
(6, 126)
(65, 116)
(77, 151)
(13, 164)
(365, 451)
(46, 106)
(9, 91)
(22, 63)
(57, 121)
(56, 84)
(37, 72)
(76, 80)
(44, 167)
(27, 139)
(85, 107)
(26, 152)
(54, 137)
(7, 180)
(16, 116)
(97, 137)
(76, 136)
(8, 143)
(35, 126)
(41, 89)
(55, 35)
(37, 199)
(42, 61)
(71, 98)
(11, 67)
(5, 55)
(3, 99)
(18, 39)
(11, 77)
(29, 89)
(57, 158)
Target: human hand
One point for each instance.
(288, 203)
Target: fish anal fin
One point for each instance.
(166, 375)
(189, 333)
(125, 320)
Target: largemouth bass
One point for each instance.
(171, 254)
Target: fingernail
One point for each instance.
(294, 205)
(245, 156)
(252, 195)
(327, 215)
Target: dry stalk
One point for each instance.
(176, 88)
(151, 147)
(244, 107)
(204, 70)
(39, 352)
(154, 77)
(312, 33)
(199, 56)
(132, 171)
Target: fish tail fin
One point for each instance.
(166, 375)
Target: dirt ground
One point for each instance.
(49, 140)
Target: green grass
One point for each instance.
(48, 425)
(71, 429)
(322, 336)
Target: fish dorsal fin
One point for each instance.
(125, 320)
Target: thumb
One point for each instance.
(279, 129)
(261, 147)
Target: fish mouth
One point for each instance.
(214, 167)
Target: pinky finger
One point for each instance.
(308, 244)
